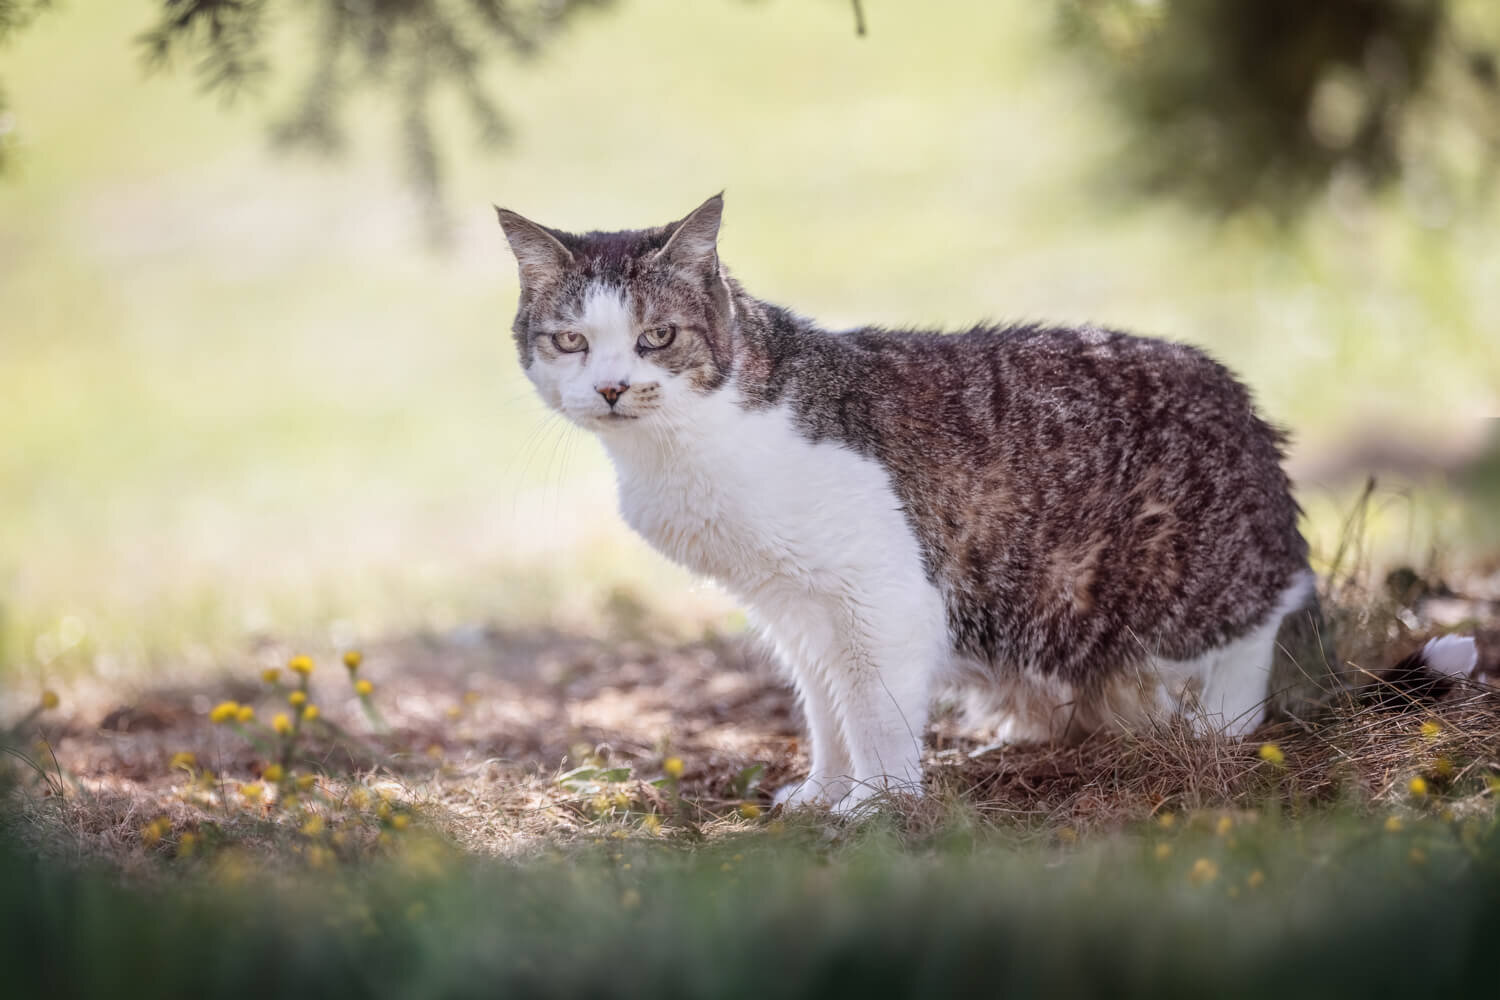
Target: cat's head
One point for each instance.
(617, 330)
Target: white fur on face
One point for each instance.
(571, 382)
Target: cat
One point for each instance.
(1091, 527)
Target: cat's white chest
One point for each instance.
(743, 497)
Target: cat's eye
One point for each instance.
(570, 342)
(657, 337)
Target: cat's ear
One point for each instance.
(542, 258)
(694, 243)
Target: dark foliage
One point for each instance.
(1240, 102)
(410, 49)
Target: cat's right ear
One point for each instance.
(541, 257)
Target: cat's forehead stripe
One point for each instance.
(604, 309)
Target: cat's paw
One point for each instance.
(812, 793)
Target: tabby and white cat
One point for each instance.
(1094, 526)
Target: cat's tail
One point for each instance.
(1308, 676)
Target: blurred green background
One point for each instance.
(240, 396)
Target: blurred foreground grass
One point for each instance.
(240, 400)
(1238, 906)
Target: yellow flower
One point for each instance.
(318, 857)
(352, 659)
(620, 800)
(187, 844)
(360, 798)
(1418, 787)
(400, 821)
(305, 781)
(652, 824)
(750, 810)
(274, 773)
(1256, 879)
(1417, 856)
(158, 828)
(363, 688)
(281, 723)
(1203, 872)
(313, 827)
(1167, 820)
(289, 802)
(383, 810)
(1271, 754)
(673, 766)
(271, 675)
(252, 791)
(1225, 824)
(726, 867)
(1431, 730)
(184, 759)
(245, 714)
(1067, 835)
(50, 700)
(453, 711)
(1394, 824)
(1443, 767)
(310, 712)
(224, 711)
(297, 699)
(1163, 851)
(301, 665)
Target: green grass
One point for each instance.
(1338, 907)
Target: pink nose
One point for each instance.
(612, 391)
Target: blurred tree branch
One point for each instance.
(411, 49)
(14, 15)
(1239, 103)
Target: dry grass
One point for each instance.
(477, 735)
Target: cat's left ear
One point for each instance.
(694, 243)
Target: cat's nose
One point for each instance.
(611, 391)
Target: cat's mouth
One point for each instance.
(614, 416)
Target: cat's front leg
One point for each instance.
(883, 689)
(807, 647)
(831, 775)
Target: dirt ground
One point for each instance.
(476, 730)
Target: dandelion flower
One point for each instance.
(271, 675)
(1271, 754)
(1224, 825)
(318, 857)
(1067, 835)
(273, 773)
(363, 688)
(310, 712)
(245, 714)
(652, 824)
(1203, 871)
(224, 711)
(352, 659)
(1394, 824)
(184, 759)
(153, 831)
(281, 723)
(1256, 879)
(620, 800)
(750, 810)
(1163, 851)
(1443, 767)
(1167, 820)
(400, 821)
(304, 782)
(50, 700)
(187, 844)
(301, 665)
(1418, 787)
(673, 767)
(1431, 730)
(313, 827)
(360, 799)
(297, 699)
(253, 791)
